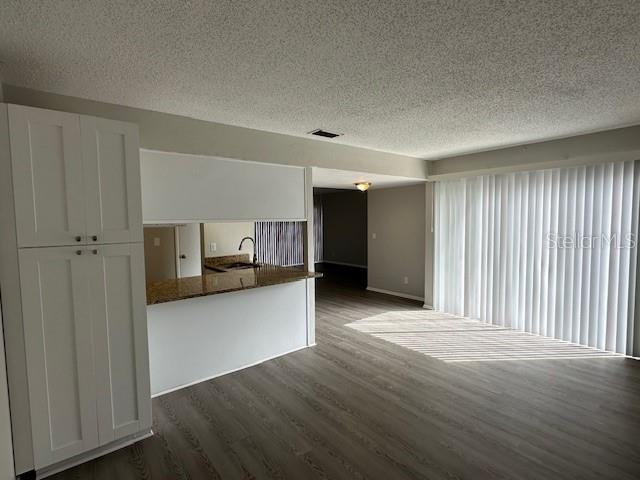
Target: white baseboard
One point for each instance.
(395, 294)
(344, 264)
(180, 387)
(427, 307)
(98, 452)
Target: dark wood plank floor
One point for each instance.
(355, 407)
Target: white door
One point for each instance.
(59, 353)
(112, 181)
(46, 160)
(119, 314)
(188, 248)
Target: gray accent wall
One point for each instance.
(400, 219)
(344, 216)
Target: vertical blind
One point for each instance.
(550, 252)
(318, 229)
(280, 243)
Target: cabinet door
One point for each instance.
(46, 161)
(59, 353)
(112, 180)
(119, 313)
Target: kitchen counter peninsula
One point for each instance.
(212, 283)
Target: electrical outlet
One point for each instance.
(212, 247)
(406, 280)
(156, 241)
(374, 236)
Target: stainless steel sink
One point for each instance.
(234, 266)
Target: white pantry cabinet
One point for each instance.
(111, 161)
(46, 162)
(86, 347)
(76, 179)
(121, 352)
(73, 287)
(58, 343)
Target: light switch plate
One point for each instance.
(156, 241)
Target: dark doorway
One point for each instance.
(341, 235)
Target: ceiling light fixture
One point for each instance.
(362, 186)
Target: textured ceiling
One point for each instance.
(425, 79)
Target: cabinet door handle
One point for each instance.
(78, 238)
(78, 252)
(94, 238)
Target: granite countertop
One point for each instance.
(213, 283)
(212, 262)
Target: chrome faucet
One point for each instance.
(255, 256)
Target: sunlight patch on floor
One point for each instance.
(456, 339)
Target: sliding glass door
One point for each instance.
(551, 252)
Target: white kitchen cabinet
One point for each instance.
(46, 161)
(116, 279)
(59, 353)
(111, 162)
(73, 288)
(86, 347)
(76, 179)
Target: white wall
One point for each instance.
(6, 450)
(621, 144)
(179, 188)
(403, 245)
(174, 133)
(429, 252)
(199, 338)
(226, 237)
